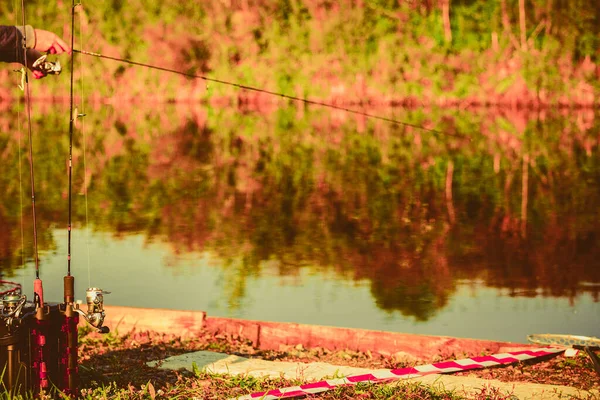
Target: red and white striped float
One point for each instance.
(404, 373)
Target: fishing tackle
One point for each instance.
(12, 308)
(95, 312)
(49, 67)
(39, 339)
(269, 92)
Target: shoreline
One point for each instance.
(268, 335)
(268, 103)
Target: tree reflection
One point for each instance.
(410, 212)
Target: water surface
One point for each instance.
(307, 216)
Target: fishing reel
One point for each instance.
(48, 67)
(94, 298)
(12, 308)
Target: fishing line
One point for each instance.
(85, 171)
(19, 129)
(259, 90)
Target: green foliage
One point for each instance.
(300, 46)
(195, 370)
(473, 25)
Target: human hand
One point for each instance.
(50, 42)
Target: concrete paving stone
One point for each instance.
(219, 363)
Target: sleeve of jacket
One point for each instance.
(11, 42)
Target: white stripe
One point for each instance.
(290, 389)
(428, 368)
(466, 361)
(422, 369)
(338, 382)
(249, 397)
(409, 376)
(490, 363)
(384, 374)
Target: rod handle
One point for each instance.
(38, 289)
(69, 291)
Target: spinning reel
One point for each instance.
(12, 308)
(48, 67)
(94, 298)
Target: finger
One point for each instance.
(61, 46)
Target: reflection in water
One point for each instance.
(407, 213)
(201, 281)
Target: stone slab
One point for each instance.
(220, 363)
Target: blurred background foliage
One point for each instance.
(352, 51)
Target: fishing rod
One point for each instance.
(25, 326)
(38, 339)
(69, 280)
(37, 285)
(71, 317)
(259, 90)
(94, 296)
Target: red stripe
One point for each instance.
(405, 371)
(452, 364)
(361, 378)
(317, 385)
(295, 393)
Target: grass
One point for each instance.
(216, 386)
(115, 367)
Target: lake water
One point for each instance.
(316, 217)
